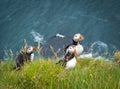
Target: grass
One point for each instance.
(41, 74)
(117, 57)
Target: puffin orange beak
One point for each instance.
(75, 52)
(34, 48)
(81, 37)
(76, 55)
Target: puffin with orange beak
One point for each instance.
(29, 53)
(69, 61)
(72, 51)
(76, 43)
(24, 57)
(70, 58)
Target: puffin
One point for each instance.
(69, 61)
(76, 43)
(23, 56)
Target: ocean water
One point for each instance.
(33, 20)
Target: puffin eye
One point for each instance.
(70, 47)
(76, 35)
(29, 48)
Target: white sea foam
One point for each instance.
(98, 47)
(86, 55)
(100, 43)
(37, 37)
(6, 55)
(97, 50)
(60, 35)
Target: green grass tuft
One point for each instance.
(117, 57)
(44, 74)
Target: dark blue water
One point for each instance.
(97, 20)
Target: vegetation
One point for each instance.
(117, 57)
(44, 74)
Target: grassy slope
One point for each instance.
(41, 74)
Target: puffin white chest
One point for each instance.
(31, 57)
(79, 49)
(71, 64)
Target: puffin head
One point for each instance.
(72, 50)
(78, 37)
(30, 49)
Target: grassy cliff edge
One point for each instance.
(44, 74)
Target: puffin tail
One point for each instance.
(62, 62)
(59, 62)
(17, 67)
